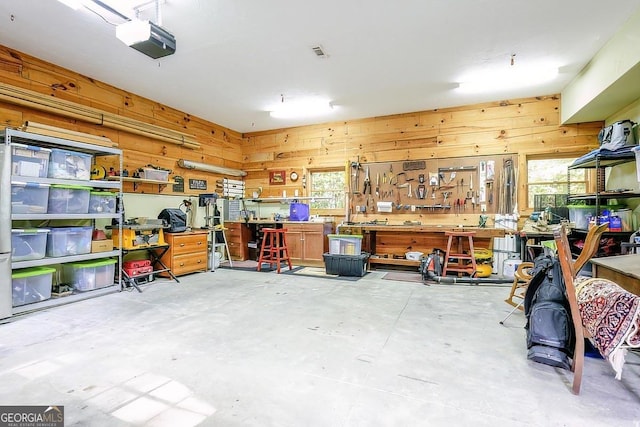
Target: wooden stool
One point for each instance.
(274, 248)
(459, 266)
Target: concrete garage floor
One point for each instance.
(240, 348)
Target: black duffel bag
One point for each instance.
(175, 219)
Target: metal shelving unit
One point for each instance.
(11, 136)
(600, 162)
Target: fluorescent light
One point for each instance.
(133, 32)
(514, 77)
(301, 108)
(188, 164)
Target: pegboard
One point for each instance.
(458, 185)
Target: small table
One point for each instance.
(622, 269)
(155, 252)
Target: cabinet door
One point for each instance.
(294, 244)
(313, 245)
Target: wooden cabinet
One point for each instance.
(238, 235)
(187, 252)
(307, 242)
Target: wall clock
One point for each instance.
(293, 176)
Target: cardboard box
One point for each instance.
(101, 245)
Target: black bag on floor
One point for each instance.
(550, 332)
(175, 219)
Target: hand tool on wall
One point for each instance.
(367, 182)
(355, 175)
(377, 184)
(490, 189)
(422, 191)
(410, 193)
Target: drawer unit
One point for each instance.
(237, 234)
(187, 252)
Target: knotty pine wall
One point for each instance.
(219, 145)
(522, 127)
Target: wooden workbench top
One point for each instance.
(480, 232)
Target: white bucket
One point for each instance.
(510, 267)
(216, 261)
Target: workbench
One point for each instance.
(388, 244)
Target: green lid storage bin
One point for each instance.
(31, 285)
(345, 244)
(102, 202)
(90, 275)
(68, 199)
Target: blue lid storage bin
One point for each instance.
(29, 161)
(28, 244)
(67, 164)
(29, 198)
(64, 241)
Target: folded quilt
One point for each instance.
(611, 315)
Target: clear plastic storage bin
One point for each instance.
(154, 174)
(90, 275)
(64, 241)
(29, 198)
(102, 202)
(30, 161)
(345, 244)
(67, 164)
(31, 285)
(68, 199)
(28, 244)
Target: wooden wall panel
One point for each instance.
(219, 146)
(524, 127)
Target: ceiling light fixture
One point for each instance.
(513, 76)
(311, 107)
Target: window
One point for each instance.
(329, 183)
(549, 176)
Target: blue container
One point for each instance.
(298, 212)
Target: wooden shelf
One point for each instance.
(137, 181)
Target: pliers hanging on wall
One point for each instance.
(367, 182)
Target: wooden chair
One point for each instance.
(570, 269)
(521, 279)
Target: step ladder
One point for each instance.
(215, 246)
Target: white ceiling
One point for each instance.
(235, 58)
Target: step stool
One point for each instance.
(460, 265)
(274, 248)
